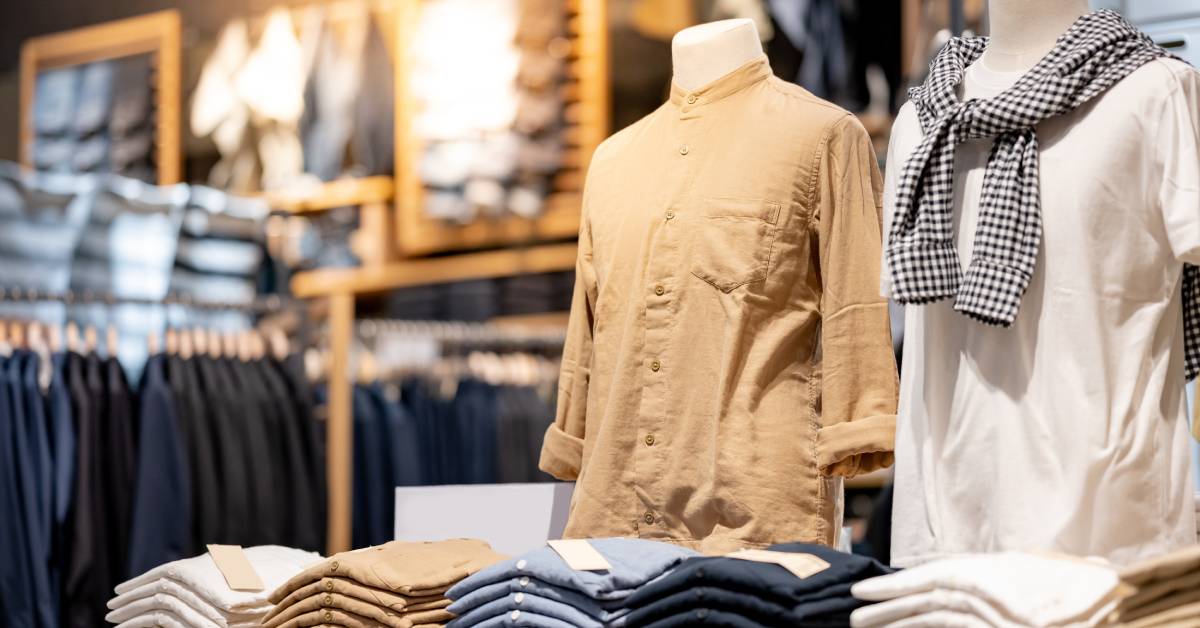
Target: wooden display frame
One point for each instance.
(586, 92)
(158, 34)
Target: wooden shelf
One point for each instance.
(546, 320)
(536, 259)
(339, 193)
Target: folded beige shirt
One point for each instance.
(1186, 616)
(377, 613)
(410, 569)
(372, 595)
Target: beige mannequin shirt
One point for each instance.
(727, 349)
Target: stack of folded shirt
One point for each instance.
(539, 589)
(193, 592)
(397, 584)
(1006, 590)
(730, 591)
(1165, 592)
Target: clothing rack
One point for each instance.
(261, 305)
(454, 332)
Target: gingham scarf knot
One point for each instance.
(1099, 49)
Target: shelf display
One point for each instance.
(105, 98)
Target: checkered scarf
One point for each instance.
(1098, 50)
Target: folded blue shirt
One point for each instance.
(522, 618)
(603, 611)
(634, 562)
(526, 603)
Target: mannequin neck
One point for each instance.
(702, 54)
(1023, 31)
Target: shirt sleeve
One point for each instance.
(562, 449)
(859, 383)
(1177, 148)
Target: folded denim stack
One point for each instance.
(539, 589)
(398, 584)
(1165, 591)
(728, 591)
(193, 593)
(1006, 590)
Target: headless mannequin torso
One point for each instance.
(1023, 31)
(702, 54)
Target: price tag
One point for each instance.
(236, 568)
(580, 555)
(801, 565)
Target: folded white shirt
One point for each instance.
(154, 619)
(1031, 589)
(941, 619)
(273, 563)
(929, 605)
(166, 586)
(161, 602)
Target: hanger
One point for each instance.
(229, 344)
(172, 341)
(89, 338)
(152, 343)
(73, 344)
(112, 342)
(186, 344)
(56, 338)
(199, 341)
(17, 333)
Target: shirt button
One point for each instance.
(524, 581)
(515, 615)
(702, 613)
(699, 594)
(659, 290)
(649, 440)
(648, 517)
(328, 616)
(683, 149)
(691, 99)
(329, 585)
(670, 214)
(699, 573)
(327, 600)
(521, 564)
(334, 566)
(655, 366)
(518, 598)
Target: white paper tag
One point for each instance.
(580, 555)
(236, 568)
(801, 565)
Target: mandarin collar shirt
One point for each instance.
(728, 355)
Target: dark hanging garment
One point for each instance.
(202, 466)
(244, 419)
(292, 370)
(262, 417)
(229, 452)
(62, 431)
(83, 591)
(162, 502)
(16, 588)
(42, 470)
(120, 464)
(300, 530)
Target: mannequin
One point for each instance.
(702, 54)
(1023, 31)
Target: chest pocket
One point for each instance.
(731, 241)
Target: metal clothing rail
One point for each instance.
(260, 305)
(454, 332)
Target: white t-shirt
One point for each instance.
(1067, 431)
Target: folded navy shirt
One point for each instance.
(823, 594)
(634, 562)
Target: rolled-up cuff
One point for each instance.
(923, 272)
(562, 454)
(853, 447)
